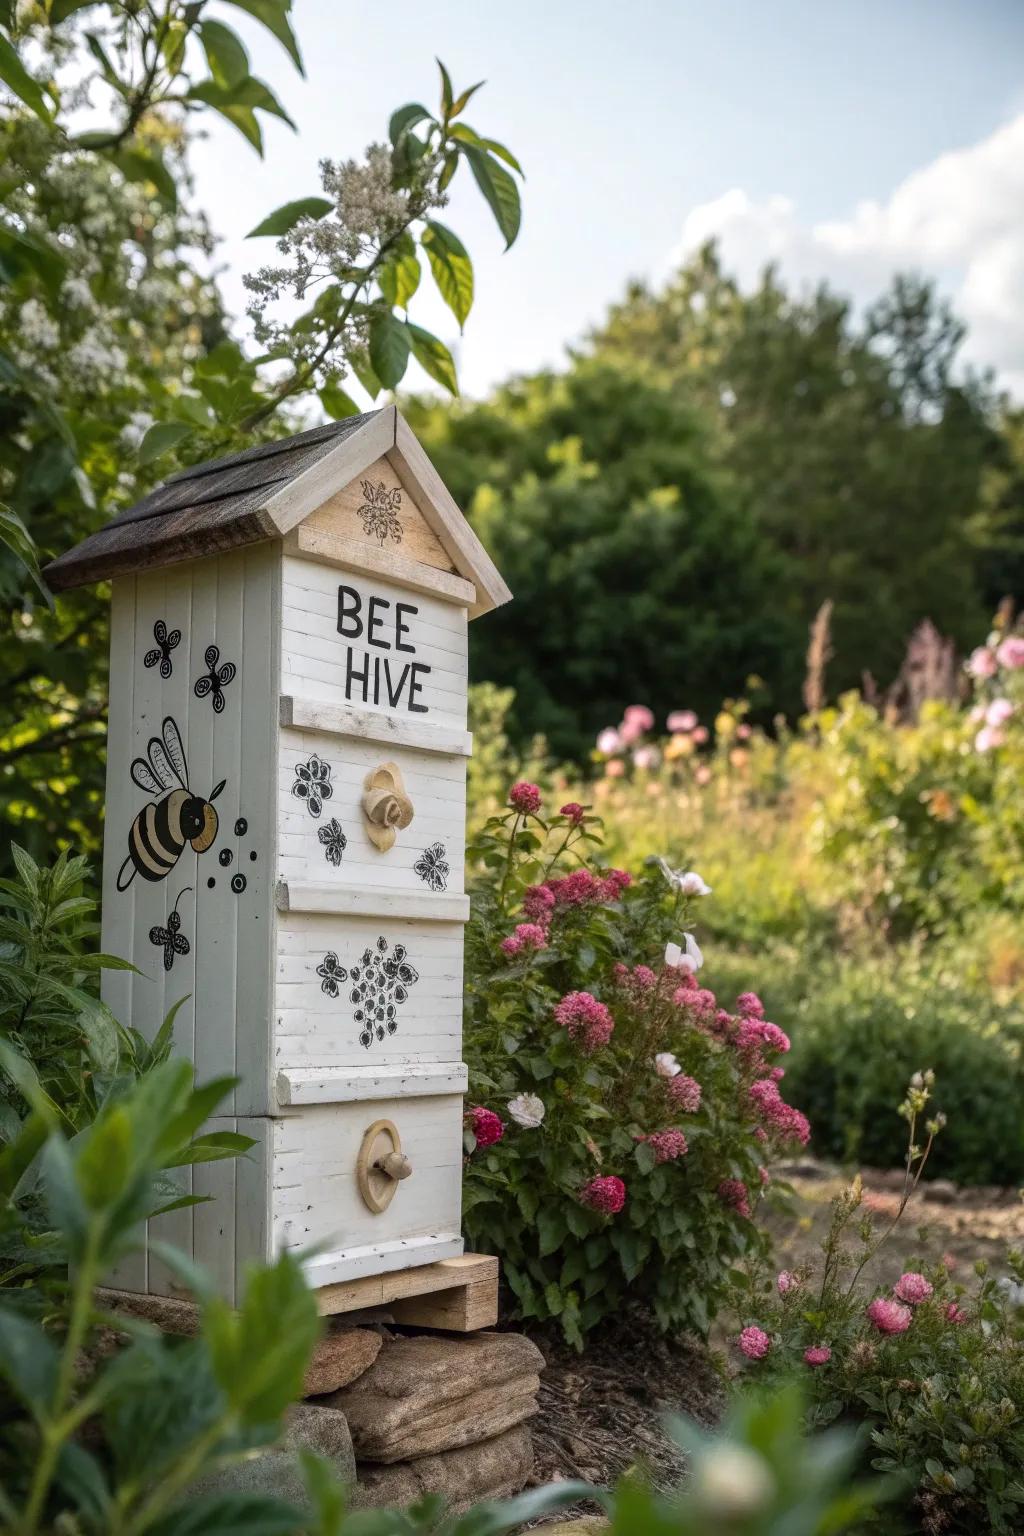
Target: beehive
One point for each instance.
(284, 835)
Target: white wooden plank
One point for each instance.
(311, 1085)
(336, 469)
(253, 1241)
(383, 1258)
(392, 730)
(430, 907)
(329, 548)
(214, 1221)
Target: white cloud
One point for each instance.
(959, 219)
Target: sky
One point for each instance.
(845, 140)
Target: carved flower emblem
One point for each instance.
(379, 512)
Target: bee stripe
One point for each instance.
(157, 844)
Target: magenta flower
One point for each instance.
(641, 715)
(818, 1354)
(685, 1093)
(666, 1145)
(889, 1316)
(526, 936)
(1011, 652)
(750, 1005)
(733, 1193)
(486, 1126)
(955, 1314)
(525, 798)
(539, 903)
(754, 1343)
(606, 1194)
(589, 1023)
(574, 811)
(912, 1288)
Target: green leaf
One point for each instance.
(336, 402)
(103, 1164)
(288, 215)
(400, 276)
(137, 164)
(60, 10)
(162, 436)
(259, 1353)
(434, 358)
(405, 118)
(461, 102)
(231, 1514)
(467, 135)
(273, 14)
(18, 80)
(499, 190)
(16, 537)
(28, 1362)
(446, 90)
(102, 1036)
(211, 1148)
(225, 52)
(363, 370)
(452, 268)
(21, 253)
(389, 349)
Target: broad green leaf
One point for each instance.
(102, 1037)
(138, 164)
(162, 436)
(231, 1514)
(363, 370)
(212, 1148)
(242, 117)
(452, 268)
(336, 402)
(400, 276)
(389, 349)
(16, 537)
(259, 1353)
(405, 118)
(26, 1079)
(225, 52)
(107, 69)
(22, 253)
(81, 1479)
(498, 188)
(467, 135)
(288, 215)
(20, 1152)
(273, 14)
(18, 80)
(103, 1163)
(434, 358)
(246, 95)
(28, 1362)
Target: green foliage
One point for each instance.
(937, 1378)
(599, 1107)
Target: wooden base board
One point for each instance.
(459, 1294)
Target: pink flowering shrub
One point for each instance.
(935, 1370)
(654, 1109)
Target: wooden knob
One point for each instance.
(396, 1165)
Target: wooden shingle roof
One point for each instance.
(264, 492)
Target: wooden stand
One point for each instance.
(458, 1294)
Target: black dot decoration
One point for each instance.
(238, 884)
(241, 828)
(252, 857)
(211, 882)
(224, 857)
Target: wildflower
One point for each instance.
(630, 731)
(666, 1145)
(863, 1355)
(646, 758)
(685, 1093)
(614, 883)
(998, 712)
(818, 1354)
(889, 1316)
(615, 769)
(527, 1110)
(982, 662)
(700, 734)
(606, 1193)
(486, 1126)
(539, 903)
(702, 775)
(750, 1005)
(525, 798)
(642, 715)
(686, 881)
(783, 1118)
(666, 1065)
(609, 742)
(589, 1023)
(686, 956)
(574, 811)
(754, 1343)
(733, 1193)
(955, 1314)
(700, 1001)
(744, 731)
(682, 720)
(1011, 652)
(988, 738)
(526, 936)
(913, 1288)
(786, 1281)
(638, 980)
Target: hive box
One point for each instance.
(284, 834)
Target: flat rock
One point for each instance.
(429, 1394)
(340, 1358)
(278, 1470)
(491, 1469)
(170, 1314)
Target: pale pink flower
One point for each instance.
(526, 936)
(645, 758)
(889, 1316)
(681, 720)
(615, 769)
(786, 1281)
(982, 662)
(685, 1093)
(818, 1354)
(754, 1343)
(743, 731)
(686, 956)
(912, 1288)
(642, 715)
(609, 742)
(998, 712)
(702, 774)
(955, 1314)
(1011, 652)
(630, 731)
(700, 734)
(988, 738)
(666, 1065)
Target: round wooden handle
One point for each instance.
(396, 1165)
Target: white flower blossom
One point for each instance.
(527, 1110)
(666, 1065)
(686, 881)
(687, 956)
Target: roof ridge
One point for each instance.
(278, 445)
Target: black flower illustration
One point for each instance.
(216, 679)
(379, 512)
(380, 983)
(334, 840)
(313, 784)
(332, 974)
(161, 652)
(433, 868)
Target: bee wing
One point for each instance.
(175, 751)
(145, 778)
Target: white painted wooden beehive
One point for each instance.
(288, 660)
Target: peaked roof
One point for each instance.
(265, 492)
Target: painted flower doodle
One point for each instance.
(313, 784)
(334, 841)
(433, 868)
(379, 512)
(166, 642)
(216, 679)
(331, 974)
(170, 939)
(381, 984)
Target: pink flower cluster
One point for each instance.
(733, 1193)
(574, 811)
(701, 1001)
(786, 1281)
(525, 798)
(666, 1145)
(754, 1036)
(889, 1316)
(526, 936)
(606, 1194)
(637, 982)
(750, 1005)
(486, 1126)
(588, 1022)
(579, 889)
(818, 1354)
(771, 1110)
(684, 1092)
(754, 1343)
(912, 1288)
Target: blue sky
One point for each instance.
(845, 138)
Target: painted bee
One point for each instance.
(160, 831)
